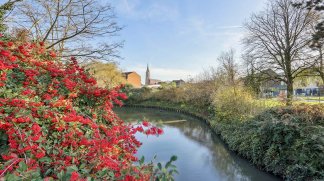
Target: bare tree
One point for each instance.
(279, 39)
(81, 28)
(252, 77)
(229, 67)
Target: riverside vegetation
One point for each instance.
(287, 141)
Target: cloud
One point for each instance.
(208, 34)
(156, 11)
(126, 6)
(233, 41)
(161, 12)
(201, 28)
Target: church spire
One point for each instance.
(147, 78)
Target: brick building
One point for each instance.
(133, 79)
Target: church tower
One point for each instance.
(148, 77)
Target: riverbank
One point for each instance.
(286, 141)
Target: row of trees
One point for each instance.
(286, 37)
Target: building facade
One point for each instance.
(133, 79)
(179, 82)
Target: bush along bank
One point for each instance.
(286, 141)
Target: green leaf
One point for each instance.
(141, 161)
(72, 168)
(22, 166)
(167, 165)
(48, 172)
(159, 166)
(45, 159)
(111, 174)
(173, 158)
(11, 177)
(61, 175)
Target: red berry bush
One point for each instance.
(55, 123)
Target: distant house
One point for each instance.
(270, 86)
(154, 81)
(133, 79)
(179, 82)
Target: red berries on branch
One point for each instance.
(59, 123)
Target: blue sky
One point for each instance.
(179, 38)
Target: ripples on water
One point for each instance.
(202, 156)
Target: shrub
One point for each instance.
(287, 141)
(56, 123)
(234, 102)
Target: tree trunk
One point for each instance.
(321, 66)
(290, 92)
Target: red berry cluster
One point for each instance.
(55, 117)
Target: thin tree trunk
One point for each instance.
(290, 92)
(321, 66)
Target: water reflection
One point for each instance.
(202, 155)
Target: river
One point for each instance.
(202, 155)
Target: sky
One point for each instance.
(180, 38)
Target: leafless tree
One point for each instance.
(279, 39)
(81, 28)
(252, 77)
(229, 67)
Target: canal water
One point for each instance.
(202, 156)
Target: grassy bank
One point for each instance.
(287, 141)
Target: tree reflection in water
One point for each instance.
(225, 163)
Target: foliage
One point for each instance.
(107, 75)
(235, 102)
(166, 85)
(56, 123)
(190, 96)
(166, 173)
(287, 141)
(138, 95)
